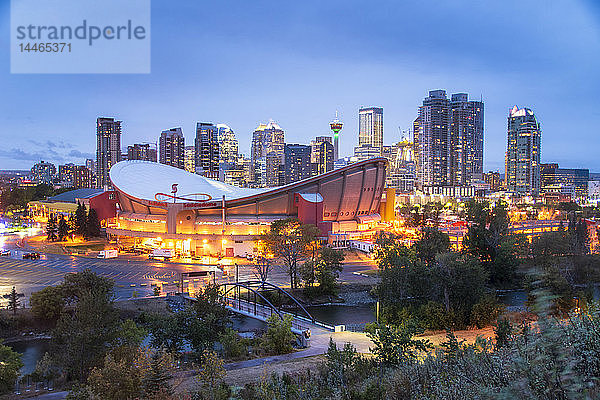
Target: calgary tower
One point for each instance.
(336, 126)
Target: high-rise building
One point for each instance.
(82, 177)
(171, 145)
(366, 151)
(322, 154)
(297, 162)
(431, 140)
(91, 165)
(448, 140)
(466, 139)
(108, 149)
(228, 145)
(189, 157)
(554, 178)
(267, 155)
(370, 127)
(401, 167)
(141, 151)
(43, 172)
(66, 174)
(523, 152)
(492, 178)
(207, 150)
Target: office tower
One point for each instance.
(322, 154)
(66, 174)
(171, 145)
(466, 139)
(493, 179)
(207, 150)
(401, 167)
(431, 140)
(267, 155)
(82, 177)
(575, 180)
(108, 149)
(366, 151)
(91, 165)
(190, 159)
(141, 151)
(370, 127)
(336, 126)
(523, 152)
(228, 145)
(43, 172)
(297, 162)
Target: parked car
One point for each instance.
(5, 253)
(31, 256)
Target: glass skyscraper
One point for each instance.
(523, 152)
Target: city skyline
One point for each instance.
(524, 65)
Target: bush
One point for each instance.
(278, 338)
(233, 345)
(486, 311)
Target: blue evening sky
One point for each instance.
(245, 62)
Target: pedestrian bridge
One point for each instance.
(255, 299)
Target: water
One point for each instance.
(338, 314)
(31, 352)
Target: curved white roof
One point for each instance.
(144, 179)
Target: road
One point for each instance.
(132, 273)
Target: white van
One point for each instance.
(108, 254)
(163, 254)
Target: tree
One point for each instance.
(10, 364)
(261, 268)
(63, 229)
(168, 331)
(289, 240)
(84, 335)
(80, 220)
(503, 332)
(93, 224)
(208, 318)
(210, 375)
(13, 301)
(278, 338)
(51, 228)
(327, 269)
(396, 344)
(48, 304)
(431, 243)
(156, 380)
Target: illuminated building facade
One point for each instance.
(523, 152)
(207, 150)
(141, 151)
(172, 144)
(108, 149)
(576, 180)
(370, 128)
(43, 172)
(267, 155)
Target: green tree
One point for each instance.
(290, 240)
(156, 380)
(93, 224)
(503, 332)
(83, 336)
(10, 364)
(208, 318)
(168, 331)
(116, 379)
(327, 268)
(396, 344)
(278, 338)
(13, 301)
(80, 220)
(48, 304)
(63, 229)
(210, 376)
(431, 243)
(51, 228)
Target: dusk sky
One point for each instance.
(242, 63)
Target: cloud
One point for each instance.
(19, 154)
(52, 145)
(80, 154)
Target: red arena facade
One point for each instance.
(196, 215)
